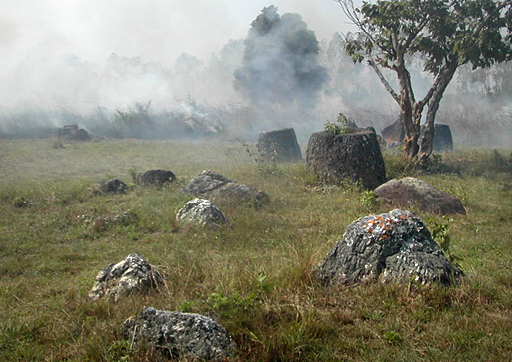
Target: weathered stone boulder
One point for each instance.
(101, 222)
(205, 183)
(201, 212)
(394, 134)
(180, 335)
(443, 141)
(112, 185)
(240, 193)
(354, 156)
(155, 178)
(132, 275)
(280, 145)
(392, 247)
(411, 191)
(380, 139)
(73, 133)
(81, 135)
(216, 186)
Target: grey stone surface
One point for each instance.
(394, 134)
(443, 140)
(180, 335)
(130, 276)
(201, 212)
(112, 186)
(216, 186)
(155, 178)
(354, 156)
(240, 193)
(205, 182)
(280, 145)
(73, 133)
(392, 247)
(412, 191)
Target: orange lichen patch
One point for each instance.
(381, 227)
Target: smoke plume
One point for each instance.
(280, 63)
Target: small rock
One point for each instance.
(205, 182)
(213, 184)
(180, 335)
(241, 193)
(412, 191)
(392, 247)
(202, 212)
(155, 178)
(112, 185)
(74, 133)
(129, 276)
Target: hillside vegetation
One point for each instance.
(253, 276)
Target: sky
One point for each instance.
(158, 30)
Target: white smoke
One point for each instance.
(280, 63)
(79, 62)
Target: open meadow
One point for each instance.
(253, 276)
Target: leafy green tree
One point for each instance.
(443, 34)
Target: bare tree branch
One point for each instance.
(350, 11)
(386, 84)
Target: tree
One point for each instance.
(443, 34)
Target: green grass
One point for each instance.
(253, 276)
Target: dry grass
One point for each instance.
(253, 276)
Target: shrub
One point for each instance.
(368, 199)
(342, 125)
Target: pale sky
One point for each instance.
(153, 29)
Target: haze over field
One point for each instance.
(154, 29)
(39, 39)
(65, 61)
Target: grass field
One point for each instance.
(254, 276)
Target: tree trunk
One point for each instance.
(411, 135)
(417, 110)
(427, 140)
(408, 112)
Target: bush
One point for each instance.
(342, 125)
